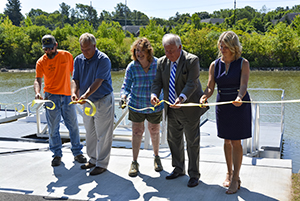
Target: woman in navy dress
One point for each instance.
(231, 73)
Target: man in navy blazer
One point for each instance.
(180, 119)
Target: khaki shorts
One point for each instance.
(154, 118)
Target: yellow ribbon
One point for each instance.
(37, 101)
(212, 104)
(145, 108)
(22, 109)
(87, 110)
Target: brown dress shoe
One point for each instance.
(87, 166)
(97, 170)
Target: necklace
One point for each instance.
(146, 66)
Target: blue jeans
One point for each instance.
(68, 112)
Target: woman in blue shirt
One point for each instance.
(136, 88)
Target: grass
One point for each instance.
(296, 187)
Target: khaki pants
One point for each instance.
(99, 131)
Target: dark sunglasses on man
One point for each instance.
(48, 48)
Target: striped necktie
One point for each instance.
(172, 84)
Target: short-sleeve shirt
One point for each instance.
(86, 71)
(56, 72)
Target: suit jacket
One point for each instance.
(186, 82)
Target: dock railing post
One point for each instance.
(38, 119)
(146, 136)
(255, 135)
(250, 145)
(163, 137)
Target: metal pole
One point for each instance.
(125, 15)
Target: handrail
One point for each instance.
(13, 92)
(251, 145)
(16, 91)
(120, 122)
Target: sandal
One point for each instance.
(227, 181)
(234, 186)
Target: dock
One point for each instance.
(27, 174)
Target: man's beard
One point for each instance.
(51, 55)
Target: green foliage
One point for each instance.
(35, 34)
(28, 21)
(265, 43)
(196, 21)
(255, 49)
(15, 45)
(111, 30)
(285, 47)
(88, 13)
(73, 45)
(202, 43)
(82, 27)
(295, 187)
(296, 24)
(109, 47)
(154, 34)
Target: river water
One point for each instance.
(289, 81)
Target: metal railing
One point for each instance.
(121, 122)
(17, 113)
(251, 145)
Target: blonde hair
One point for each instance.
(87, 37)
(143, 43)
(231, 40)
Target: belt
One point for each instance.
(228, 91)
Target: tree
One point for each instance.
(121, 13)
(196, 21)
(296, 24)
(159, 21)
(264, 9)
(13, 11)
(138, 18)
(111, 30)
(28, 21)
(203, 15)
(105, 16)
(15, 45)
(36, 12)
(154, 33)
(64, 11)
(258, 24)
(88, 13)
(74, 18)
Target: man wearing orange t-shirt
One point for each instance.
(56, 66)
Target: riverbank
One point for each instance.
(296, 186)
(30, 70)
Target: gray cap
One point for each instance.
(48, 41)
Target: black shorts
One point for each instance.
(154, 118)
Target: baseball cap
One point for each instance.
(48, 41)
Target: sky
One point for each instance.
(155, 8)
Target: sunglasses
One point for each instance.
(48, 48)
